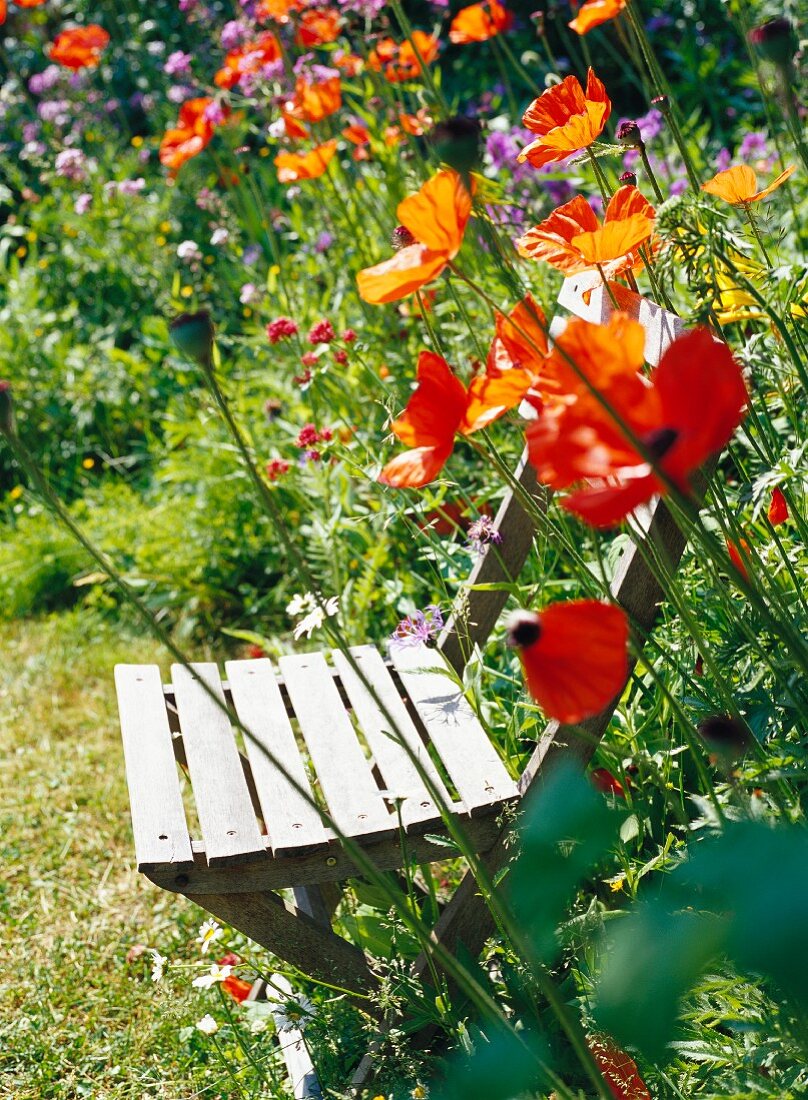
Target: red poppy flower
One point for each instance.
(400, 61)
(249, 58)
(305, 166)
(566, 119)
(574, 656)
(514, 364)
(237, 988)
(778, 509)
(595, 12)
(479, 22)
(435, 219)
(80, 47)
(276, 11)
(439, 409)
(573, 240)
(685, 412)
(19, 4)
(191, 135)
(318, 26)
(738, 555)
(3, 11)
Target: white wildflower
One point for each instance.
(294, 1011)
(208, 934)
(207, 1025)
(215, 974)
(158, 965)
(314, 613)
(189, 251)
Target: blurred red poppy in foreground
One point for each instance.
(573, 240)
(439, 409)
(686, 411)
(479, 22)
(574, 656)
(434, 221)
(80, 47)
(566, 119)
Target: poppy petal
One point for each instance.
(595, 12)
(580, 661)
(437, 214)
(489, 398)
(414, 468)
(778, 509)
(626, 201)
(607, 505)
(614, 239)
(404, 273)
(781, 179)
(436, 408)
(736, 184)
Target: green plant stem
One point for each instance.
(650, 173)
(750, 217)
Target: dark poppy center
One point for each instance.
(524, 630)
(659, 442)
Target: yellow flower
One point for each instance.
(137, 141)
(186, 292)
(88, 463)
(164, 227)
(16, 492)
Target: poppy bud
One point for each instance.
(524, 629)
(662, 103)
(192, 334)
(727, 738)
(628, 179)
(6, 409)
(778, 508)
(537, 18)
(457, 143)
(401, 238)
(775, 40)
(628, 134)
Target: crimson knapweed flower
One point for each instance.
(282, 328)
(483, 533)
(277, 467)
(321, 333)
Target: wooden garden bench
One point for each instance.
(254, 834)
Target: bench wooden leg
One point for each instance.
(294, 936)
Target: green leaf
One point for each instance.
(503, 1066)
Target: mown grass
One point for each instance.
(78, 1019)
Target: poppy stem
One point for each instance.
(605, 190)
(608, 287)
(650, 174)
(747, 209)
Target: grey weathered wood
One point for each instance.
(315, 868)
(158, 816)
(585, 296)
(292, 1042)
(354, 800)
(469, 757)
(475, 611)
(292, 935)
(223, 804)
(386, 739)
(292, 822)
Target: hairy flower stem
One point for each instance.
(750, 217)
(607, 287)
(603, 185)
(646, 163)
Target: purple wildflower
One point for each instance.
(482, 533)
(418, 628)
(177, 63)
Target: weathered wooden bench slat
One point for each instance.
(463, 745)
(158, 816)
(293, 823)
(354, 800)
(401, 776)
(224, 807)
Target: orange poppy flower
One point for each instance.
(318, 26)
(514, 364)
(276, 11)
(574, 656)
(400, 62)
(595, 12)
(566, 119)
(316, 100)
(684, 413)
(248, 58)
(357, 133)
(292, 128)
(80, 47)
(191, 135)
(435, 219)
(479, 22)
(293, 167)
(19, 4)
(738, 185)
(237, 988)
(350, 63)
(778, 509)
(573, 240)
(417, 124)
(439, 409)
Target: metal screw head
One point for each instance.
(331, 861)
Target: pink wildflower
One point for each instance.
(282, 328)
(321, 333)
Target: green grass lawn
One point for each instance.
(78, 1019)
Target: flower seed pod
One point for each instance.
(401, 238)
(456, 142)
(775, 40)
(192, 334)
(628, 179)
(628, 135)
